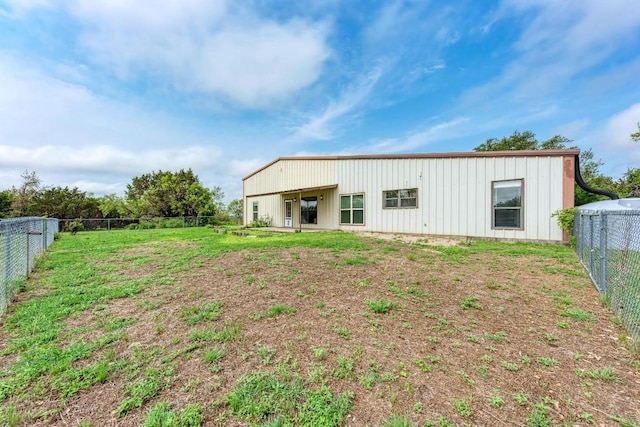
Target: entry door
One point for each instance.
(288, 213)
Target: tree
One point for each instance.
(518, 141)
(636, 136)
(59, 202)
(168, 194)
(6, 200)
(236, 209)
(629, 184)
(589, 168)
(23, 196)
(524, 141)
(112, 206)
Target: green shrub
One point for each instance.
(263, 221)
(565, 218)
(75, 226)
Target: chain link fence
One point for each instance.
(608, 245)
(21, 239)
(94, 224)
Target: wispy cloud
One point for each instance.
(106, 158)
(202, 47)
(620, 126)
(560, 44)
(325, 125)
(417, 140)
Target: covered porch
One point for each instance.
(311, 208)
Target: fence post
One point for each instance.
(577, 232)
(591, 248)
(7, 279)
(603, 252)
(44, 234)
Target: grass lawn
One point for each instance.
(187, 327)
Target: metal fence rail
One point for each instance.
(21, 239)
(608, 244)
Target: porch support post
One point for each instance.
(300, 211)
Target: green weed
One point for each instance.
(470, 301)
(262, 398)
(463, 407)
(497, 337)
(197, 314)
(145, 388)
(344, 369)
(510, 366)
(577, 314)
(521, 397)
(380, 306)
(278, 309)
(214, 354)
(495, 400)
(398, 421)
(539, 417)
(265, 353)
(547, 361)
(161, 415)
(604, 374)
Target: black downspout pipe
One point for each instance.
(585, 186)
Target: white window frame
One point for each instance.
(496, 185)
(255, 211)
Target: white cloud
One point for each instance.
(20, 7)
(204, 47)
(64, 130)
(561, 46)
(438, 133)
(322, 126)
(107, 159)
(571, 129)
(620, 126)
(99, 188)
(242, 168)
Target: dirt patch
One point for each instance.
(479, 328)
(416, 238)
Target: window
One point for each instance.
(507, 204)
(255, 211)
(309, 210)
(400, 198)
(352, 209)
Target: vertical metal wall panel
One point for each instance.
(454, 193)
(290, 174)
(481, 207)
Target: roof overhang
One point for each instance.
(296, 190)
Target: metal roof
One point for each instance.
(628, 204)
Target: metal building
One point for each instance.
(500, 194)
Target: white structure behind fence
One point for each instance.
(608, 244)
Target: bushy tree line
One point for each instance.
(626, 186)
(155, 194)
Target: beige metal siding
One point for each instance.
(268, 206)
(454, 194)
(287, 175)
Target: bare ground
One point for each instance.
(497, 347)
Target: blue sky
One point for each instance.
(95, 92)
